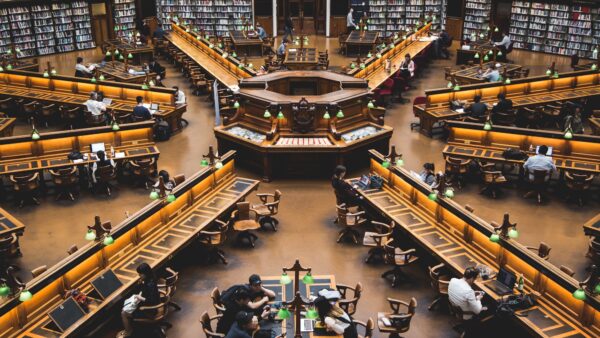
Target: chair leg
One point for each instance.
(221, 256)
(175, 306)
(434, 303)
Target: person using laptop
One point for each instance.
(82, 70)
(139, 111)
(428, 174)
(101, 162)
(477, 108)
(150, 295)
(461, 294)
(94, 106)
(344, 192)
(540, 162)
(179, 96)
(334, 318)
(491, 74)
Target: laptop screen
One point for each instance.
(364, 181)
(95, 147)
(154, 106)
(507, 278)
(548, 153)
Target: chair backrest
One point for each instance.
(25, 182)
(457, 165)
(39, 270)
(6, 245)
(64, 176)
(539, 176)
(419, 100)
(178, 179)
(215, 295)
(206, 322)
(544, 250)
(243, 209)
(342, 213)
(577, 181)
(72, 249)
(567, 270)
(106, 172)
(439, 285)
(30, 107)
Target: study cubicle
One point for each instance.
(460, 239)
(152, 235)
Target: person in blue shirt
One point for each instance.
(281, 49)
(261, 31)
(492, 74)
(159, 33)
(140, 111)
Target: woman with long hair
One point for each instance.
(334, 318)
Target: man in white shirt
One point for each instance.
(504, 43)
(492, 74)
(81, 70)
(540, 162)
(350, 25)
(179, 96)
(94, 106)
(461, 294)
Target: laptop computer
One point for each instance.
(548, 153)
(107, 101)
(153, 108)
(307, 325)
(504, 282)
(66, 314)
(95, 147)
(106, 284)
(364, 182)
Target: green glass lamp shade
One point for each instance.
(495, 238)
(241, 66)
(130, 56)
(499, 53)
(225, 55)
(368, 20)
(18, 50)
(556, 74)
(151, 83)
(250, 65)
(93, 80)
(280, 115)
(568, 134)
(477, 55)
(487, 126)
(312, 314)
(90, 235)
(220, 45)
(4, 290)
(371, 105)
(9, 52)
(369, 55)
(378, 55)
(211, 46)
(594, 67)
(46, 74)
(285, 279)
(596, 289)
(395, 36)
(108, 53)
(204, 162)
(486, 58)
(297, 42)
(153, 195)
(383, 45)
(236, 105)
(579, 294)
(340, 114)
(25, 296)
(385, 164)
(267, 114)
(308, 279)
(326, 116)
(392, 45)
(548, 72)
(116, 28)
(145, 86)
(450, 84)
(472, 36)
(449, 193)
(171, 198)
(513, 233)
(362, 65)
(207, 36)
(490, 52)
(218, 165)
(496, 29)
(457, 87)
(488, 28)
(115, 126)
(404, 37)
(101, 77)
(117, 52)
(35, 135)
(187, 30)
(9, 67)
(108, 240)
(357, 28)
(507, 81)
(198, 37)
(481, 35)
(399, 162)
(352, 65)
(283, 313)
(432, 196)
(1, 69)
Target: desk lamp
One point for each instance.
(505, 231)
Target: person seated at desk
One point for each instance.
(477, 109)
(179, 96)
(281, 49)
(141, 112)
(504, 43)
(466, 45)
(94, 106)
(237, 302)
(462, 295)
(159, 32)
(344, 192)
(260, 30)
(503, 105)
(169, 183)
(574, 121)
(407, 67)
(244, 326)
(149, 294)
(158, 81)
(427, 175)
(491, 74)
(334, 318)
(82, 70)
(155, 67)
(101, 162)
(259, 295)
(540, 162)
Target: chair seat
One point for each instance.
(368, 240)
(214, 239)
(500, 179)
(245, 225)
(401, 259)
(381, 324)
(261, 210)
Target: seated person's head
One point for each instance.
(477, 98)
(79, 59)
(467, 41)
(244, 321)
(139, 99)
(255, 283)
(577, 110)
(340, 171)
(241, 296)
(407, 57)
(93, 95)
(101, 155)
(176, 88)
(543, 150)
(501, 96)
(429, 167)
(471, 274)
(145, 271)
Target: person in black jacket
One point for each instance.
(149, 292)
(288, 28)
(503, 104)
(155, 67)
(478, 108)
(238, 302)
(140, 111)
(344, 192)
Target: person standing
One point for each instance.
(350, 25)
(288, 29)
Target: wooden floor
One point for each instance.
(306, 225)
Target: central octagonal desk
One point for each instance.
(298, 123)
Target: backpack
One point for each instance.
(227, 295)
(162, 131)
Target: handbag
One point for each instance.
(376, 182)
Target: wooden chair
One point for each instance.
(567, 270)
(207, 326)
(492, 179)
(440, 279)
(376, 240)
(168, 285)
(268, 209)
(448, 73)
(553, 116)
(456, 169)
(39, 270)
(215, 295)
(539, 185)
(6, 251)
(213, 240)
(25, 187)
(398, 259)
(71, 115)
(462, 325)
(46, 113)
(342, 43)
(504, 118)
(123, 117)
(530, 118)
(155, 316)
(7, 105)
(29, 109)
(92, 120)
(11, 246)
(243, 224)
(594, 250)
(143, 170)
(73, 249)
(368, 327)
(104, 176)
(578, 185)
(349, 221)
(348, 304)
(178, 179)
(65, 180)
(543, 250)
(399, 322)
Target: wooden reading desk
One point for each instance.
(117, 71)
(152, 235)
(20, 154)
(524, 92)
(301, 59)
(481, 47)
(360, 43)
(141, 53)
(74, 91)
(7, 125)
(473, 74)
(595, 125)
(469, 140)
(30, 65)
(592, 227)
(460, 239)
(9, 224)
(250, 44)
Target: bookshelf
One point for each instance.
(215, 16)
(580, 31)
(63, 27)
(477, 17)
(377, 15)
(43, 27)
(5, 36)
(414, 10)
(396, 11)
(388, 16)
(558, 29)
(83, 25)
(22, 33)
(124, 16)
